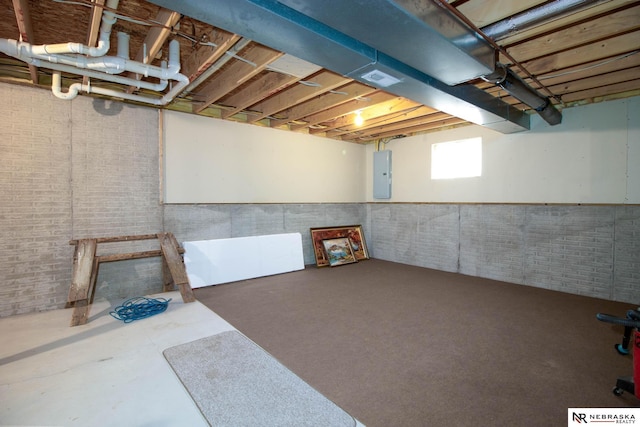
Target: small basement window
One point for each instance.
(456, 159)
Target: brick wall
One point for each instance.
(35, 200)
(115, 189)
(70, 170)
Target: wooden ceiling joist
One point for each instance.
(603, 91)
(316, 85)
(323, 102)
(255, 59)
(270, 83)
(155, 39)
(627, 20)
(333, 113)
(396, 107)
(23, 19)
(93, 31)
(412, 117)
(205, 56)
(407, 131)
(588, 55)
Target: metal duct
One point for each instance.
(516, 87)
(509, 81)
(280, 27)
(425, 36)
(505, 78)
(417, 33)
(535, 16)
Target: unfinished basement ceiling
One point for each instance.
(589, 53)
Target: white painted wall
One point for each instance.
(214, 161)
(592, 157)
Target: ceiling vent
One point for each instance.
(369, 39)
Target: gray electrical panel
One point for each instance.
(382, 174)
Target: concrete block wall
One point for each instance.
(222, 221)
(571, 249)
(585, 250)
(492, 242)
(416, 234)
(626, 266)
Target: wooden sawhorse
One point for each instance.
(86, 264)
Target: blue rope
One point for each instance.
(139, 308)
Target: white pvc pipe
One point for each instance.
(56, 87)
(157, 87)
(108, 19)
(182, 82)
(75, 88)
(67, 57)
(123, 45)
(107, 64)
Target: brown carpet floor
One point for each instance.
(398, 345)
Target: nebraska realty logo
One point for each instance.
(582, 416)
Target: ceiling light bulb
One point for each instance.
(359, 121)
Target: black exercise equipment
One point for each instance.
(631, 324)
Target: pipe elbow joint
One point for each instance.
(109, 18)
(100, 50)
(12, 48)
(171, 72)
(550, 114)
(56, 88)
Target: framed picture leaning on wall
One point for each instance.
(352, 232)
(339, 251)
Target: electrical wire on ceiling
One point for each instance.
(590, 67)
(309, 83)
